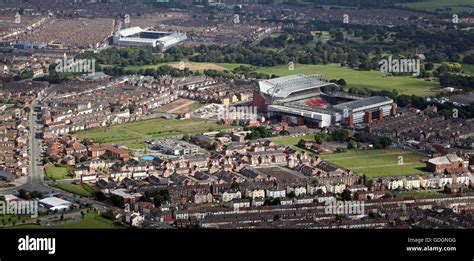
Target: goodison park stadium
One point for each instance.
(299, 100)
(136, 36)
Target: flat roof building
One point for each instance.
(53, 203)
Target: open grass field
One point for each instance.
(53, 172)
(374, 80)
(9, 220)
(379, 163)
(150, 129)
(91, 221)
(81, 189)
(292, 140)
(442, 5)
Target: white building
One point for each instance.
(240, 203)
(276, 193)
(410, 183)
(445, 180)
(338, 188)
(231, 195)
(134, 219)
(462, 179)
(54, 203)
(255, 193)
(312, 190)
(297, 190)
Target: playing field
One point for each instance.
(81, 189)
(57, 172)
(374, 80)
(379, 163)
(442, 5)
(92, 221)
(150, 129)
(292, 140)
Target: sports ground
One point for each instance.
(379, 163)
(157, 128)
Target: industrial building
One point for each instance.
(136, 36)
(175, 147)
(298, 100)
(54, 203)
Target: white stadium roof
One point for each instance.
(446, 159)
(282, 87)
(130, 31)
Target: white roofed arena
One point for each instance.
(299, 100)
(136, 36)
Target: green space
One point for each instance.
(468, 68)
(417, 194)
(373, 79)
(150, 129)
(292, 140)
(82, 189)
(442, 5)
(137, 146)
(90, 221)
(379, 163)
(9, 220)
(57, 172)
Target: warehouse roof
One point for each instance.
(54, 202)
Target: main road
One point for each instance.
(35, 180)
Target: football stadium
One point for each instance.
(136, 36)
(299, 100)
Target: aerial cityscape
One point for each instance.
(236, 114)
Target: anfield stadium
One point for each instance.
(299, 100)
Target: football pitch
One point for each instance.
(150, 129)
(379, 163)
